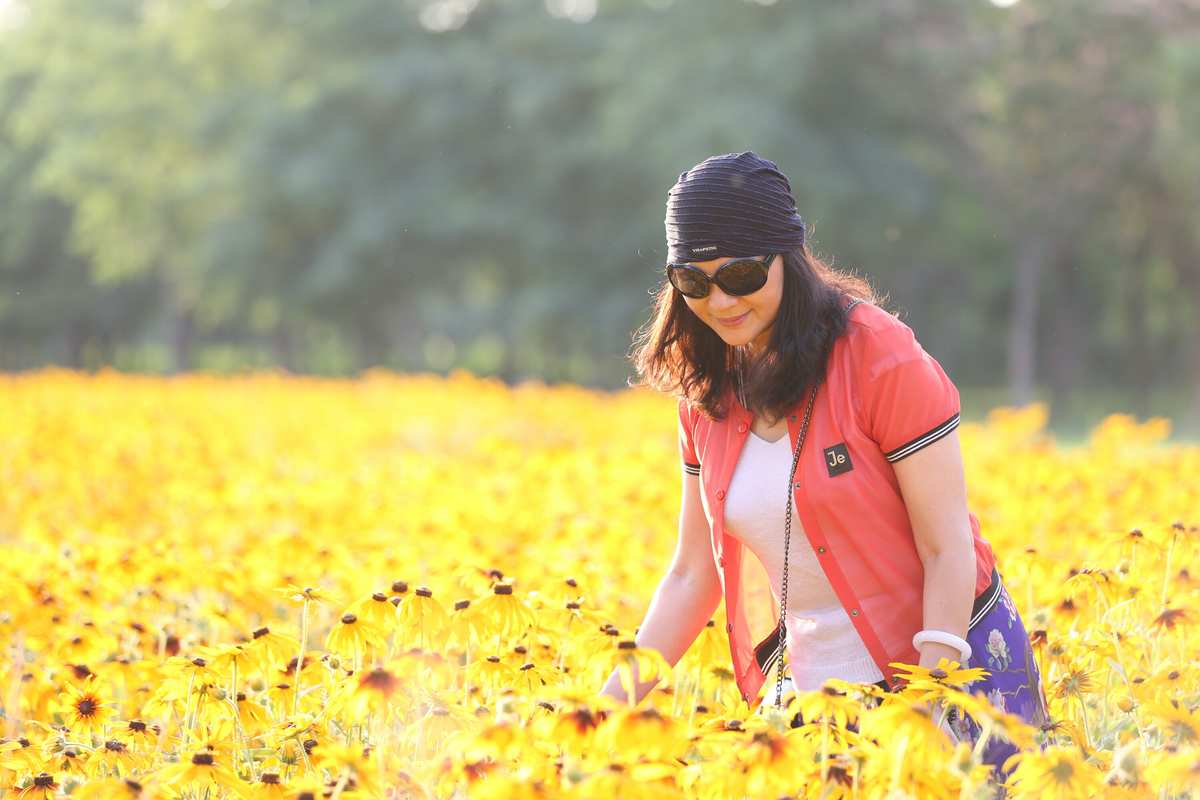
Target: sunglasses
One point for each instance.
(737, 277)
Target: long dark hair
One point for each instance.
(678, 353)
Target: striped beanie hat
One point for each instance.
(737, 204)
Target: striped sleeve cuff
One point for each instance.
(924, 439)
(691, 469)
(766, 653)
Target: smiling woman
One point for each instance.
(755, 335)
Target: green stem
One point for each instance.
(300, 658)
(1087, 736)
(1167, 571)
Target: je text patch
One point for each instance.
(837, 459)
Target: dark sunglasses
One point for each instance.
(737, 277)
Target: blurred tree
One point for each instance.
(433, 183)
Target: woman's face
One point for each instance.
(745, 320)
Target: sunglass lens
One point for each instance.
(743, 277)
(688, 282)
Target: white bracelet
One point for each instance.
(948, 639)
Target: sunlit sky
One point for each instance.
(12, 12)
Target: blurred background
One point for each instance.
(430, 185)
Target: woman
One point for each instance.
(815, 432)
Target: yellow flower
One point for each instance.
(629, 660)
(373, 691)
(828, 702)
(573, 728)
(375, 610)
(463, 629)
(1178, 770)
(532, 677)
(42, 787)
(310, 594)
(349, 764)
(491, 673)
(271, 649)
(1176, 721)
(644, 730)
(926, 683)
(1057, 773)
(421, 618)
(201, 771)
(85, 710)
(138, 734)
(772, 762)
(114, 757)
(268, 787)
(69, 759)
(1074, 682)
(113, 789)
(710, 647)
(252, 715)
(354, 639)
(504, 613)
(899, 717)
(19, 756)
(223, 659)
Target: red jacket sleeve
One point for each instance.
(906, 400)
(687, 448)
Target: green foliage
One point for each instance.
(428, 185)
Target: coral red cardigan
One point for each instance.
(883, 399)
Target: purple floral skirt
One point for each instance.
(999, 644)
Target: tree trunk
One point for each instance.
(1142, 368)
(1067, 346)
(183, 326)
(76, 338)
(1022, 334)
(284, 346)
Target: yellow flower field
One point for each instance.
(414, 587)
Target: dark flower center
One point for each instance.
(86, 707)
(380, 680)
(270, 777)
(204, 759)
(43, 780)
(261, 632)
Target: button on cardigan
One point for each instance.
(883, 399)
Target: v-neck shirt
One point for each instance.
(821, 640)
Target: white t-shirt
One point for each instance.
(821, 641)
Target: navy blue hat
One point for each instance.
(737, 204)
